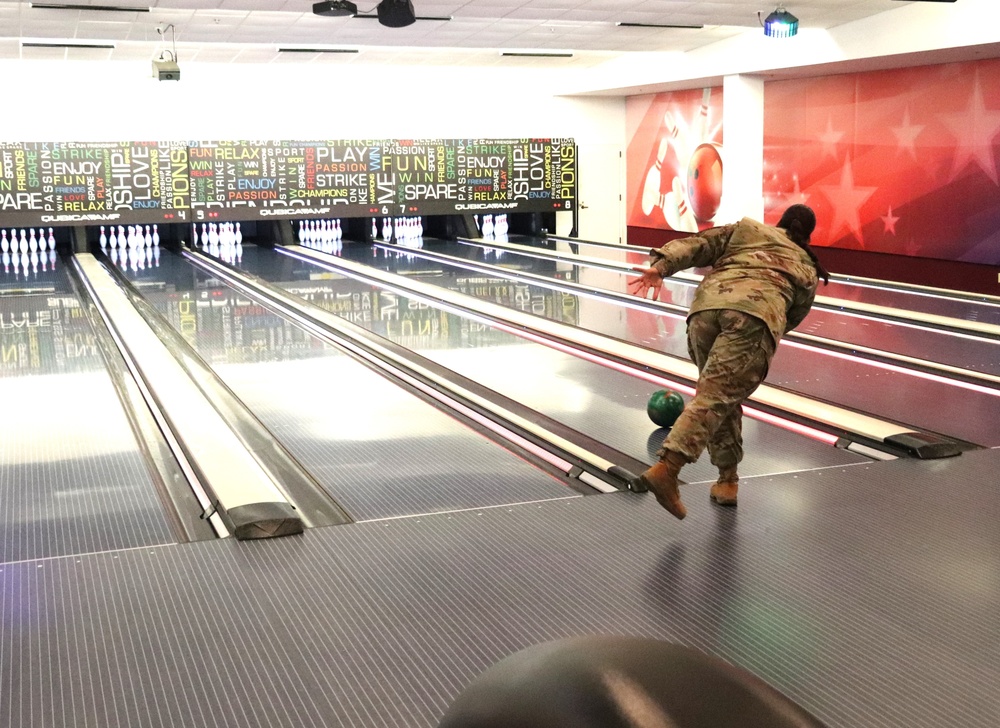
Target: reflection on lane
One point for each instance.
(381, 451)
(958, 350)
(605, 404)
(939, 302)
(853, 383)
(72, 479)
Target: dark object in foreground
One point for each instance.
(620, 682)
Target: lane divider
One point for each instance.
(237, 495)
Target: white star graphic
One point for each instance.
(830, 138)
(890, 221)
(796, 196)
(906, 135)
(975, 129)
(847, 201)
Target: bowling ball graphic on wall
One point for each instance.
(704, 181)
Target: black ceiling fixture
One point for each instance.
(335, 8)
(659, 25)
(92, 8)
(317, 50)
(396, 13)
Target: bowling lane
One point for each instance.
(73, 479)
(956, 349)
(379, 450)
(854, 383)
(603, 403)
(922, 299)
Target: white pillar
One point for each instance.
(743, 149)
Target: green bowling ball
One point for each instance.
(664, 407)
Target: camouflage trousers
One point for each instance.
(733, 351)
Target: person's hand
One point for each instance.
(649, 280)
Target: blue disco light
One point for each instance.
(781, 24)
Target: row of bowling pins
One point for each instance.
(136, 259)
(491, 227)
(313, 232)
(22, 261)
(217, 233)
(132, 238)
(322, 235)
(402, 228)
(27, 243)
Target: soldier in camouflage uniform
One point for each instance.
(762, 284)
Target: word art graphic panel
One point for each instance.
(268, 179)
(69, 183)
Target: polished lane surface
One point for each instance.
(936, 301)
(378, 449)
(73, 479)
(603, 403)
(961, 349)
(950, 409)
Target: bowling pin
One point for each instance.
(156, 236)
(701, 132)
(4, 244)
(652, 198)
(103, 239)
(52, 240)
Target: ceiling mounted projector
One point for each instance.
(335, 8)
(164, 70)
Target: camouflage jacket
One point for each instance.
(755, 269)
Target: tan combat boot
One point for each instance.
(662, 480)
(724, 491)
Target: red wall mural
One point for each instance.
(903, 162)
(674, 159)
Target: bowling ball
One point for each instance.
(704, 181)
(664, 407)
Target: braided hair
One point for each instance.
(798, 222)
